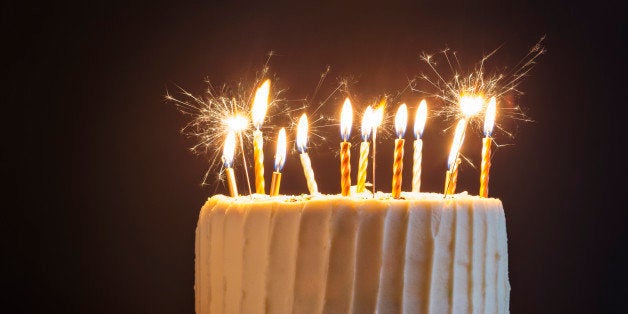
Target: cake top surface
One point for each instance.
(365, 196)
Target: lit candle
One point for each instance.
(470, 105)
(237, 123)
(280, 160)
(305, 158)
(346, 119)
(489, 121)
(401, 119)
(451, 176)
(378, 116)
(366, 128)
(258, 112)
(227, 159)
(419, 126)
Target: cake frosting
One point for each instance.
(328, 253)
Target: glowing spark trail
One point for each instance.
(468, 87)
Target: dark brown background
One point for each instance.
(103, 195)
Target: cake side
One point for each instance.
(424, 254)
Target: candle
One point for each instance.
(378, 116)
(401, 119)
(346, 119)
(451, 176)
(258, 112)
(237, 123)
(419, 126)
(227, 159)
(470, 105)
(305, 158)
(366, 128)
(280, 160)
(489, 121)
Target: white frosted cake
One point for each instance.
(334, 254)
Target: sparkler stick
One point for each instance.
(227, 158)
(401, 119)
(258, 112)
(489, 122)
(280, 160)
(378, 116)
(346, 119)
(367, 127)
(419, 125)
(305, 158)
(246, 171)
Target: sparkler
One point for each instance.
(378, 117)
(453, 85)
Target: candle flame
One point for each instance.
(260, 104)
(457, 143)
(302, 134)
(346, 120)
(489, 119)
(236, 123)
(471, 104)
(229, 149)
(280, 153)
(367, 123)
(419, 119)
(401, 120)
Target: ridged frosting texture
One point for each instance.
(334, 254)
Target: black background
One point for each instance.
(102, 194)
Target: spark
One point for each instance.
(219, 111)
(228, 108)
(465, 94)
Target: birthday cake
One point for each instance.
(327, 253)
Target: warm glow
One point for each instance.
(401, 120)
(471, 104)
(229, 149)
(457, 143)
(302, 134)
(367, 123)
(280, 153)
(419, 119)
(236, 123)
(346, 120)
(489, 119)
(260, 104)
